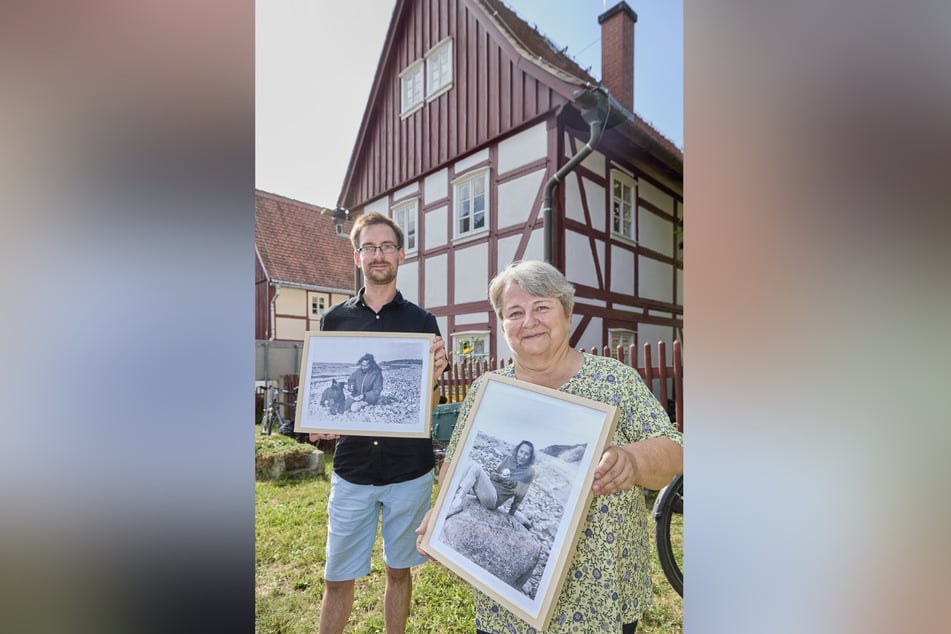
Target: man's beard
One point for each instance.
(381, 276)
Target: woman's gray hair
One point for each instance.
(536, 278)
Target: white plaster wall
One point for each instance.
(436, 186)
(472, 274)
(647, 191)
(406, 192)
(436, 282)
(573, 208)
(338, 298)
(379, 205)
(506, 248)
(536, 246)
(594, 194)
(655, 233)
(594, 161)
(291, 301)
(473, 159)
(408, 281)
(655, 280)
(443, 323)
(652, 333)
(289, 328)
(525, 147)
(622, 271)
(579, 263)
(534, 251)
(437, 227)
(592, 334)
(502, 350)
(473, 318)
(516, 199)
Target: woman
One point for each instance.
(607, 582)
(510, 480)
(366, 384)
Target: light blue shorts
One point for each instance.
(353, 512)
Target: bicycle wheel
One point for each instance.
(668, 514)
(267, 421)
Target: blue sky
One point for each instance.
(315, 60)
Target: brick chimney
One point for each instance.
(617, 52)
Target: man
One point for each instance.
(369, 473)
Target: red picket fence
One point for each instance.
(455, 381)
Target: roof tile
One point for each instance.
(298, 244)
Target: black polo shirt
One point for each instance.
(385, 460)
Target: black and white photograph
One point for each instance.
(516, 490)
(368, 384)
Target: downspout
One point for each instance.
(270, 335)
(277, 291)
(595, 107)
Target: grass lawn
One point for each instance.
(291, 516)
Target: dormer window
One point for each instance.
(411, 83)
(427, 78)
(439, 69)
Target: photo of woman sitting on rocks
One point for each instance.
(509, 480)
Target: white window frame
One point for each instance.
(321, 303)
(461, 194)
(624, 338)
(439, 69)
(406, 215)
(412, 93)
(476, 336)
(621, 206)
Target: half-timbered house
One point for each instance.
(301, 267)
(489, 145)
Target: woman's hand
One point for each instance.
(420, 532)
(314, 437)
(616, 471)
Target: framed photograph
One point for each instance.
(366, 384)
(516, 492)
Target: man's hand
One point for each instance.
(314, 437)
(440, 360)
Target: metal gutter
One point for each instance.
(595, 108)
(311, 287)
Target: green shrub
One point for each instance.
(277, 448)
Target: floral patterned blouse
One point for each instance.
(608, 579)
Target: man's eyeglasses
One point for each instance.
(387, 249)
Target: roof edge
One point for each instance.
(311, 287)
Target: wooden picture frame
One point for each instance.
(402, 406)
(520, 566)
